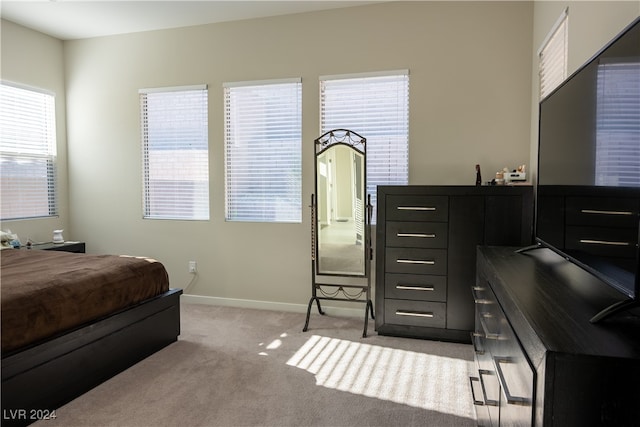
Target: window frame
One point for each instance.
(399, 176)
(288, 207)
(195, 203)
(553, 55)
(41, 150)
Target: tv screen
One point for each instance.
(588, 181)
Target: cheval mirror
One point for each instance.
(341, 223)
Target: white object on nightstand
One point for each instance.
(57, 236)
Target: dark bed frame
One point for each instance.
(39, 379)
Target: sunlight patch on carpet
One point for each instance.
(435, 383)
(273, 345)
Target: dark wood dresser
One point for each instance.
(539, 359)
(426, 239)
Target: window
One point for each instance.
(618, 124)
(263, 151)
(27, 153)
(377, 107)
(552, 65)
(175, 153)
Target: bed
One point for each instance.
(71, 321)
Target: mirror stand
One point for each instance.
(341, 224)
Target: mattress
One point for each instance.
(45, 293)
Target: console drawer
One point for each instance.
(484, 384)
(417, 208)
(415, 313)
(611, 242)
(417, 234)
(416, 261)
(516, 378)
(422, 287)
(602, 211)
(487, 314)
(506, 359)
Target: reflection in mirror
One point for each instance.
(341, 211)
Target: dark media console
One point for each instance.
(539, 359)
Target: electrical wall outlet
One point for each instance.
(193, 268)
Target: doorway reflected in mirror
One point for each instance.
(341, 211)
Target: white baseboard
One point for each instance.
(275, 306)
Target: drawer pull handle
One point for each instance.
(487, 333)
(512, 400)
(419, 235)
(473, 392)
(604, 242)
(413, 313)
(477, 299)
(416, 208)
(413, 261)
(600, 212)
(475, 336)
(487, 402)
(415, 288)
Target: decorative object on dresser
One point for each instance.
(539, 359)
(70, 321)
(57, 236)
(341, 223)
(426, 253)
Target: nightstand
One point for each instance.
(77, 247)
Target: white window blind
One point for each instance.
(552, 56)
(375, 106)
(263, 151)
(175, 153)
(618, 124)
(27, 153)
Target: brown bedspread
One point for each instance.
(47, 292)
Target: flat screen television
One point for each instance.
(588, 180)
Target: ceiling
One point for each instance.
(78, 19)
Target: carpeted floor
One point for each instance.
(243, 367)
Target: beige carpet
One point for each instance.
(242, 367)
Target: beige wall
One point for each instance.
(36, 60)
(470, 84)
(471, 67)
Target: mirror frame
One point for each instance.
(356, 142)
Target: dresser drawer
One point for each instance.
(416, 261)
(612, 242)
(488, 327)
(420, 287)
(417, 234)
(484, 384)
(417, 208)
(602, 211)
(500, 359)
(516, 378)
(415, 313)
